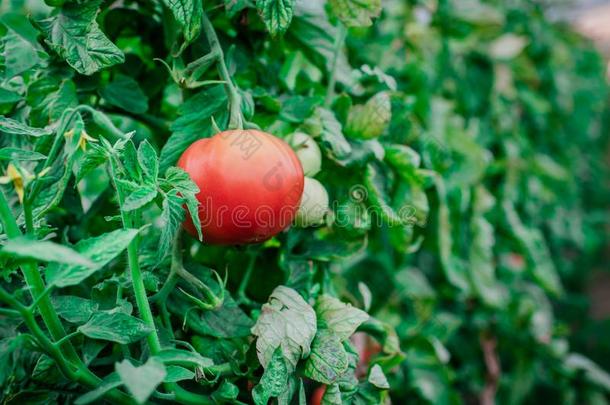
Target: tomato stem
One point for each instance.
(189, 398)
(241, 292)
(27, 214)
(172, 278)
(67, 360)
(34, 280)
(137, 280)
(236, 120)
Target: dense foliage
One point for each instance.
(463, 149)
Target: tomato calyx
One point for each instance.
(210, 300)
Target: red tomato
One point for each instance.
(250, 186)
(367, 349)
(318, 394)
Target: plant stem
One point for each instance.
(241, 291)
(68, 357)
(172, 278)
(200, 65)
(41, 296)
(140, 293)
(137, 281)
(66, 338)
(42, 340)
(9, 313)
(189, 398)
(237, 120)
(339, 41)
(10, 225)
(27, 214)
(34, 280)
(65, 120)
(76, 372)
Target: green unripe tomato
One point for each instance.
(308, 152)
(314, 204)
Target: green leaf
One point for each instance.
(111, 382)
(44, 251)
(325, 124)
(149, 162)
(226, 392)
(116, 327)
(414, 285)
(235, 6)
(9, 126)
(100, 250)
(276, 14)
(540, 263)
(341, 319)
(332, 395)
(298, 108)
(177, 373)
(328, 359)
(172, 216)
(274, 379)
(378, 378)
(139, 198)
(141, 381)
(194, 123)
(9, 97)
(95, 157)
(77, 38)
(405, 160)
(371, 119)
(189, 14)
(315, 34)
(453, 268)
(125, 93)
(384, 334)
(19, 54)
(183, 358)
(593, 372)
(178, 179)
(20, 154)
(130, 162)
(74, 309)
(377, 197)
(288, 322)
(356, 13)
(227, 321)
(482, 273)
(10, 348)
(49, 97)
(126, 186)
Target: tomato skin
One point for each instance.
(318, 394)
(314, 204)
(250, 185)
(308, 152)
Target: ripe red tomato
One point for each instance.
(317, 395)
(250, 186)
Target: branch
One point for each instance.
(492, 363)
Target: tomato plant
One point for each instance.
(398, 201)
